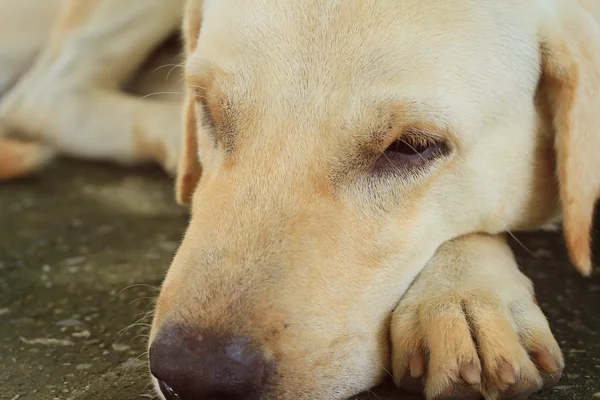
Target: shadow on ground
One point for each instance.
(83, 248)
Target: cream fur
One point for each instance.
(292, 240)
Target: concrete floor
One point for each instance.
(83, 248)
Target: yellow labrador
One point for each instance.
(360, 160)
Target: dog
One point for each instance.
(351, 169)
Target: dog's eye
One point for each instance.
(411, 151)
(409, 147)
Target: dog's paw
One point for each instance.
(473, 343)
(20, 158)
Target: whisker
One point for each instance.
(168, 65)
(142, 318)
(135, 369)
(142, 335)
(175, 66)
(152, 394)
(139, 377)
(135, 285)
(124, 330)
(386, 370)
(145, 353)
(147, 314)
(159, 93)
(520, 243)
(133, 326)
(373, 393)
(141, 298)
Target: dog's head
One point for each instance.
(342, 142)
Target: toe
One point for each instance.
(453, 359)
(408, 358)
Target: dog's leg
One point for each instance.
(71, 98)
(24, 29)
(470, 324)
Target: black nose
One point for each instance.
(202, 366)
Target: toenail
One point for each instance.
(545, 360)
(470, 374)
(506, 373)
(417, 365)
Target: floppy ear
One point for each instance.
(571, 77)
(189, 168)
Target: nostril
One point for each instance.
(189, 365)
(167, 391)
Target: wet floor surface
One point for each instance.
(83, 248)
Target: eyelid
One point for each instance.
(200, 84)
(207, 120)
(216, 116)
(430, 138)
(420, 136)
(425, 133)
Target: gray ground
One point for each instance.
(83, 248)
